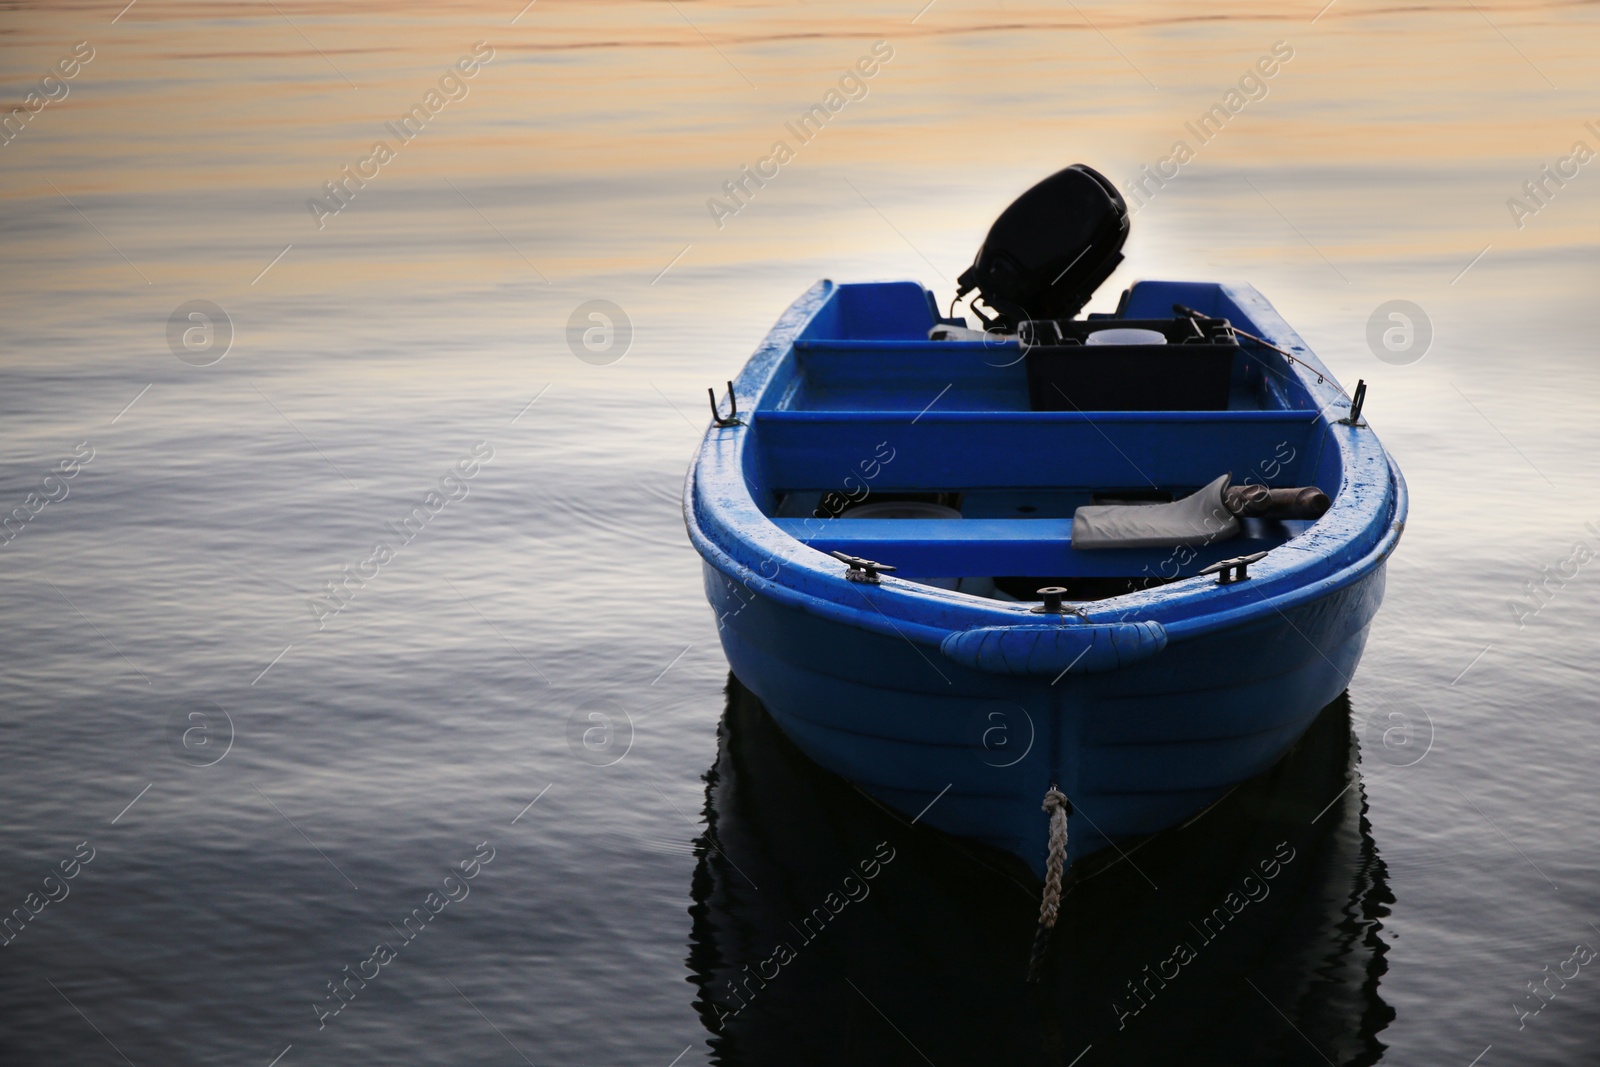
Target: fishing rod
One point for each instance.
(1191, 313)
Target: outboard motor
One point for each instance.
(1048, 252)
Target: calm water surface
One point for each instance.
(252, 791)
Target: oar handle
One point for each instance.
(1260, 502)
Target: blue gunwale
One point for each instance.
(1274, 416)
(1349, 543)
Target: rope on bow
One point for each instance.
(1058, 807)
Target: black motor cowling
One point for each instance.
(1048, 252)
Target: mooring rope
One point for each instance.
(1058, 807)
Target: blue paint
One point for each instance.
(1145, 710)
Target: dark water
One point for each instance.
(266, 790)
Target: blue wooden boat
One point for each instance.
(896, 541)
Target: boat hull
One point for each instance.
(1138, 749)
(937, 941)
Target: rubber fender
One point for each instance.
(1081, 648)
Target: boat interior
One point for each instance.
(961, 463)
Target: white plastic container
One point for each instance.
(1124, 336)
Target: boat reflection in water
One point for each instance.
(828, 931)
